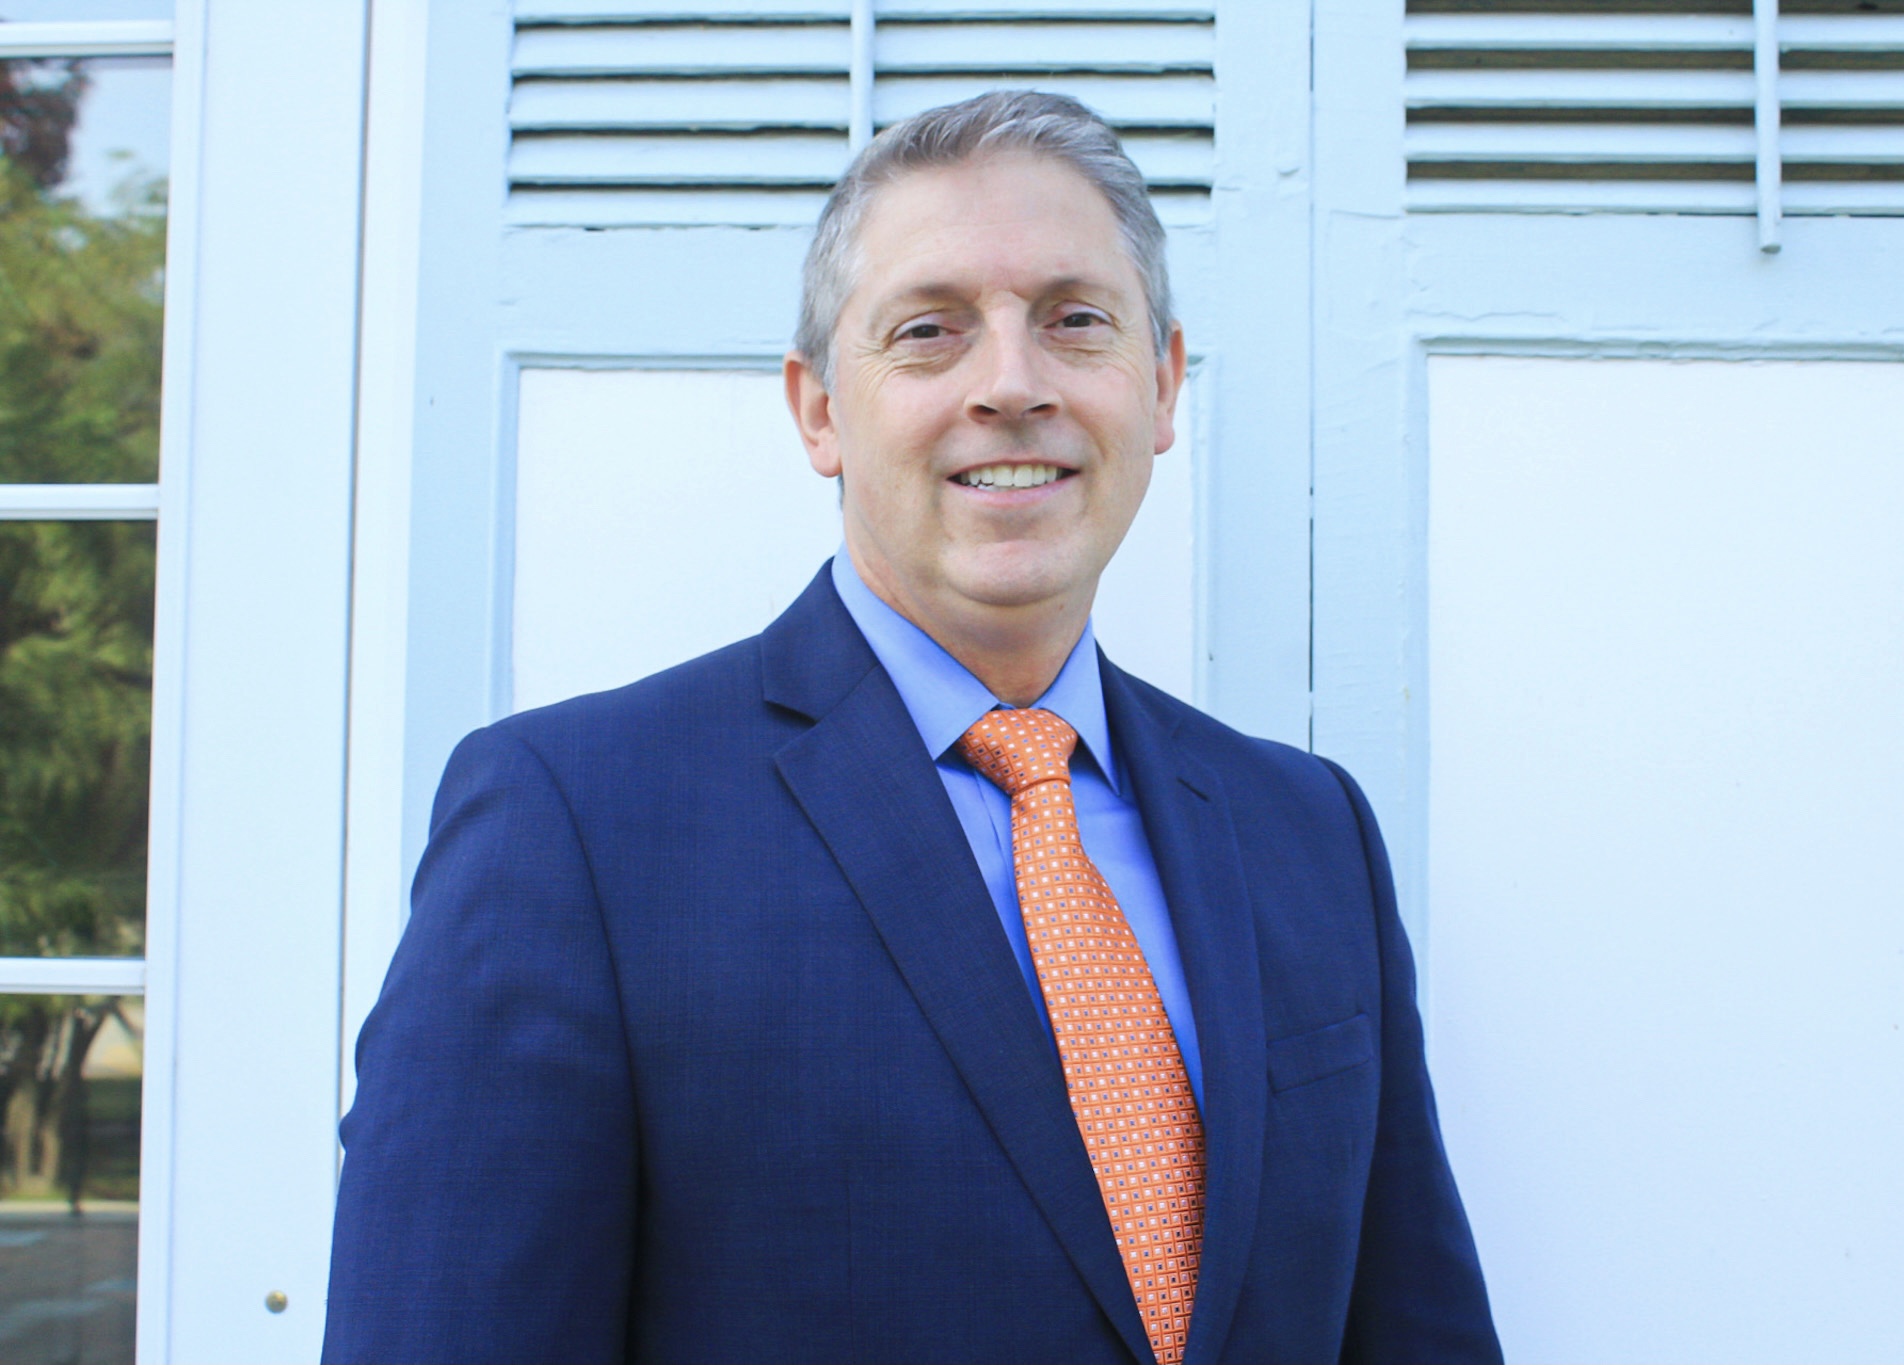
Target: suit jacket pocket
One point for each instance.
(1306, 1057)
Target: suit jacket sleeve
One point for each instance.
(487, 1201)
(1418, 1293)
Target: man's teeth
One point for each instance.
(1010, 476)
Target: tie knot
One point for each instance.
(1019, 749)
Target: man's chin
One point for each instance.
(1014, 582)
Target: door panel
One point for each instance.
(659, 514)
(1667, 775)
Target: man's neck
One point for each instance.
(1017, 652)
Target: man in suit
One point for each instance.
(908, 983)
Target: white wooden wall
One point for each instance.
(426, 289)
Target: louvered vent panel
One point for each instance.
(1648, 105)
(626, 113)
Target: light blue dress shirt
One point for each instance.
(945, 700)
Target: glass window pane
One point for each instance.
(83, 147)
(70, 1072)
(75, 726)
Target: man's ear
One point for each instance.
(1171, 367)
(812, 408)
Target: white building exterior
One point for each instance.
(1546, 468)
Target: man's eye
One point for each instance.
(1075, 320)
(922, 331)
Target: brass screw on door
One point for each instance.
(276, 1301)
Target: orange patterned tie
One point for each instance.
(1129, 1091)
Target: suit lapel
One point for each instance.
(1186, 819)
(866, 783)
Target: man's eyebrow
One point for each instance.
(928, 292)
(1071, 283)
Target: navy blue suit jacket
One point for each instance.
(704, 1044)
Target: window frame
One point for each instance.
(159, 502)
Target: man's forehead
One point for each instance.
(935, 231)
(903, 293)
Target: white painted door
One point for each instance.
(1606, 621)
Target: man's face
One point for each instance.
(998, 398)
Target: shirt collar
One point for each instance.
(945, 699)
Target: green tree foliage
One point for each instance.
(75, 722)
(80, 323)
(80, 318)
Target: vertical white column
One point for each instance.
(375, 897)
(247, 867)
(860, 76)
(1256, 388)
(1770, 170)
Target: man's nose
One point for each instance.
(1009, 383)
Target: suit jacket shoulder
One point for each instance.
(1269, 788)
(709, 696)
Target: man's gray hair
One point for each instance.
(1056, 126)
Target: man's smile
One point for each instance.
(1013, 476)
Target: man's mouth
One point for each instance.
(1011, 476)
